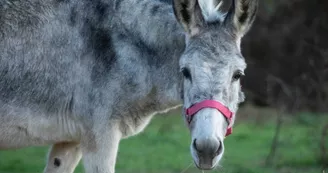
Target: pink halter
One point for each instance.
(192, 110)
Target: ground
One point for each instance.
(164, 147)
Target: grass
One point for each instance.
(164, 147)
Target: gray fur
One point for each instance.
(81, 75)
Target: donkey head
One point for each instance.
(212, 65)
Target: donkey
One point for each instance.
(81, 75)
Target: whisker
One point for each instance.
(185, 169)
(217, 8)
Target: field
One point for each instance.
(164, 147)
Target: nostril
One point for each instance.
(195, 146)
(219, 151)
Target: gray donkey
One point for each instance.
(81, 75)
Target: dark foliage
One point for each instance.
(287, 55)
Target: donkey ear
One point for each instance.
(189, 15)
(241, 16)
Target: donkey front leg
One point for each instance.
(63, 158)
(100, 151)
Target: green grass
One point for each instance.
(164, 147)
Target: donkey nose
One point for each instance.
(208, 146)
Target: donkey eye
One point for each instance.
(186, 73)
(237, 75)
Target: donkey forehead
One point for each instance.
(212, 53)
(213, 41)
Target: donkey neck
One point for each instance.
(151, 21)
(152, 28)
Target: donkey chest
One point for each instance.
(133, 126)
(137, 119)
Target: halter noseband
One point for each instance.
(192, 110)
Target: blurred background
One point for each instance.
(281, 128)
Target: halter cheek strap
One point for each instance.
(192, 110)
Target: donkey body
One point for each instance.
(80, 75)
